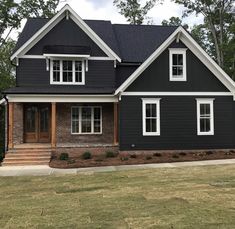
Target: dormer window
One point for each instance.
(177, 64)
(67, 72)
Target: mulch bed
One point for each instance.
(133, 158)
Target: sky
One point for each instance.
(104, 10)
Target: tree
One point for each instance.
(174, 21)
(9, 18)
(7, 70)
(219, 20)
(11, 13)
(38, 8)
(133, 11)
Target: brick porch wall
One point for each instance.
(63, 132)
(18, 124)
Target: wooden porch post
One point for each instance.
(10, 125)
(115, 121)
(53, 125)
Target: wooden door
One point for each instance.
(36, 123)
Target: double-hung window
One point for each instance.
(86, 120)
(67, 72)
(151, 116)
(177, 64)
(205, 116)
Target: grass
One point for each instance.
(193, 197)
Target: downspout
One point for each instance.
(6, 124)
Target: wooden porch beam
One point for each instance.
(115, 121)
(10, 125)
(53, 125)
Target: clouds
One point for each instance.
(104, 10)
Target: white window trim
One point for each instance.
(61, 72)
(209, 101)
(152, 101)
(177, 51)
(92, 121)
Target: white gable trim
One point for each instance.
(195, 48)
(54, 21)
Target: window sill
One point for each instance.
(205, 134)
(69, 83)
(151, 134)
(86, 133)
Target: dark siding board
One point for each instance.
(178, 124)
(156, 76)
(66, 32)
(123, 72)
(32, 72)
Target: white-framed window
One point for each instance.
(67, 72)
(177, 64)
(86, 120)
(205, 116)
(151, 116)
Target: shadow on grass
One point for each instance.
(74, 190)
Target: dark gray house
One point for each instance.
(90, 83)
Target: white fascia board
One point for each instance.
(55, 20)
(195, 48)
(76, 18)
(31, 98)
(66, 55)
(170, 93)
(147, 62)
(40, 34)
(207, 61)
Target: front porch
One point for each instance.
(56, 127)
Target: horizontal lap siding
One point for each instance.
(178, 124)
(67, 33)
(156, 77)
(32, 72)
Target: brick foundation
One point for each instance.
(78, 151)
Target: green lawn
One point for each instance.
(192, 197)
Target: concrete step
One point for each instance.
(20, 163)
(28, 150)
(27, 158)
(15, 155)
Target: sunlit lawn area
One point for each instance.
(192, 197)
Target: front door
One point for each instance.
(36, 123)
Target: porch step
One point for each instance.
(27, 157)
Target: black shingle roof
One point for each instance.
(132, 43)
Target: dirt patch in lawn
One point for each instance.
(137, 157)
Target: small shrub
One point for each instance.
(182, 154)
(157, 154)
(148, 157)
(175, 156)
(209, 152)
(124, 158)
(133, 156)
(64, 156)
(86, 155)
(109, 154)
